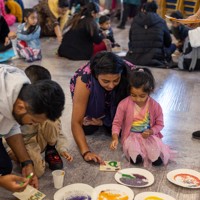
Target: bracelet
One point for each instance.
(26, 162)
(84, 154)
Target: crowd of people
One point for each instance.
(108, 91)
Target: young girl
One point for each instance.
(28, 33)
(141, 119)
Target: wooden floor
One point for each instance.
(178, 92)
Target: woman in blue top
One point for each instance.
(96, 89)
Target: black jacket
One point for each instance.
(148, 38)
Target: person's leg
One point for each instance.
(125, 15)
(47, 137)
(5, 161)
(196, 135)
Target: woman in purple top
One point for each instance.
(96, 89)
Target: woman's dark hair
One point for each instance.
(63, 3)
(27, 13)
(109, 63)
(142, 77)
(85, 12)
(44, 97)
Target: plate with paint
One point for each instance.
(134, 177)
(112, 192)
(153, 196)
(187, 178)
(75, 191)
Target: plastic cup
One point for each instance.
(58, 178)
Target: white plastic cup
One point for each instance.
(14, 45)
(58, 178)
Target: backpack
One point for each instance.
(190, 58)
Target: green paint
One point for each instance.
(113, 164)
(127, 176)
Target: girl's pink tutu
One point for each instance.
(150, 149)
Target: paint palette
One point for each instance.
(183, 21)
(153, 196)
(77, 191)
(134, 177)
(185, 178)
(112, 192)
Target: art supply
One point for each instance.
(110, 166)
(28, 177)
(58, 178)
(126, 175)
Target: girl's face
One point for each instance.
(109, 81)
(32, 19)
(95, 15)
(139, 96)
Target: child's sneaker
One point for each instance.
(53, 158)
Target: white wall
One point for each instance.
(30, 3)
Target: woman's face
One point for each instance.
(109, 81)
(62, 11)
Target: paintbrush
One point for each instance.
(28, 177)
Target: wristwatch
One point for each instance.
(26, 162)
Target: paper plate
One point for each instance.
(134, 177)
(73, 191)
(153, 196)
(187, 178)
(112, 191)
(183, 21)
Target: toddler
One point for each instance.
(140, 118)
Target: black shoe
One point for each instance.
(138, 160)
(53, 158)
(121, 27)
(196, 135)
(157, 162)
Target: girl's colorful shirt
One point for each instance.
(141, 119)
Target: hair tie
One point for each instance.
(141, 70)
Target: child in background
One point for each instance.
(141, 119)
(46, 137)
(28, 37)
(179, 31)
(106, 30)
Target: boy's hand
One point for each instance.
(66, 156)
(147, 133)
(92, 121)
(114, 144)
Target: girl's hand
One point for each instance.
(92, 121)
(66, 156)
(93, 157)
(114, 144)
(147, 133)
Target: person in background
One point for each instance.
(81, 39)
(140, 119)
(106, 30)
(53, 15)
(4, 39)
(150, 42)
(130, 8)
(179, 30)
(46, 137)
(15, 9)
(96, 89)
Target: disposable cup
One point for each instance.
(58, 178)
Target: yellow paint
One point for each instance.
(153, 198)
(108, 195)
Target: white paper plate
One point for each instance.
(187, 178)
(114, 189)
(142, 177)
(77, 189)
(153, 196)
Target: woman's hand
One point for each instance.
(147, 133)
(12, 183)
(90, 156)
(7, 41)
(92, 121)
(67, 156)
(193, 17)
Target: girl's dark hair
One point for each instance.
(109, 63)
(85, 12)
(142, 77)
(27, 13)
(63, 3)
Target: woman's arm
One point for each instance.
(80, 101)
(58, 33)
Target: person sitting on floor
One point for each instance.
(150, 43)
(46, 137)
